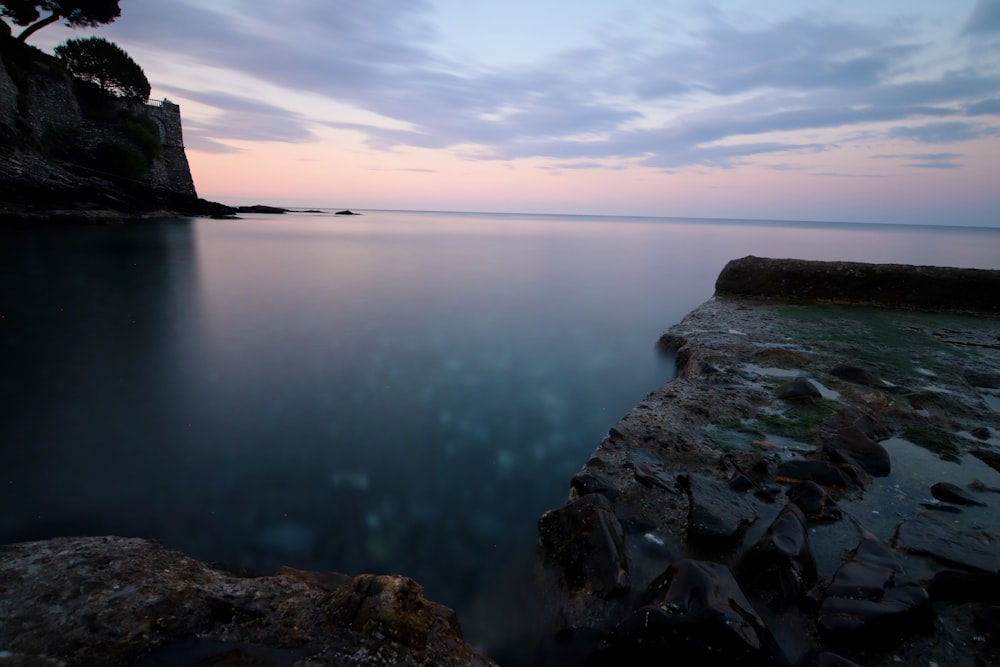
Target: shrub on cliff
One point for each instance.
(98, 61)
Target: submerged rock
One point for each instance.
(871, 602)
(930, 536)
(113, 600)
(949, 493)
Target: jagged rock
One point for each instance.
(114, 601)
(780, 566)
(717, 516)
(693, 614)
(814, 501)
(927, 535)
(949, 493)
(585, 541)
(588, 482)
(799, 389)
(650, 470)
(871, 602)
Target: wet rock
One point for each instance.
(950, 493)
(988, 456)
(799, 389)
(110, 600)
(871, 602)
(717, 517)
(587, 482)
(650, 470)
(815, 502)
(856, 375)
(780, 566)
(584, 540)
(817, 471)
(941, 507)
(980, 433)
(851, 445)
(930, 536)
(960, 586)
(694, 614)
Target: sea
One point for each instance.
(393, 392)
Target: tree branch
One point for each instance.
(38, 25)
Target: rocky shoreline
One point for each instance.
(814, 488)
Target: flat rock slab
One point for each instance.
(117, 601)
(930, 536)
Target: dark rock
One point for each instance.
(741, 483)
(820, 472)
(780, 566)
(955, 586)
(650, 470)
(856, 375)
(950, 493)
(346, 212)
(930, 536)
(871, 602)
(586, 482)
(717, 517)
(988, 456)
(261, 208)
(585, 541)
(814, 501)
(112, 601)
(852, 445)
(693, 614)
(884, 285)
(988, 624)
(799, 389)
(980, 433)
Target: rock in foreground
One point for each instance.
(127, 601)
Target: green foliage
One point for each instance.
(75, 13)
(96, 60)
(142, 131)
(119, 160)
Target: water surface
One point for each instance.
(395, 392)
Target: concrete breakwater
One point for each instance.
(816, 487)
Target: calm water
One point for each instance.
(398, 392)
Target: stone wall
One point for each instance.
(8, 96)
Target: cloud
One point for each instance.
(984, 19)
(717, 94)
(942, 133)
(926, 160)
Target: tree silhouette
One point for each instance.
(76, 13)
(106, 64)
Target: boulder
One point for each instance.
(780, 566)
(584, 540)
(693, 614)
(717, 516)
(117, 601)
(950, 493)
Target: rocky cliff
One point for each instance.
(65, 146)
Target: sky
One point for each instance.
(846, 110)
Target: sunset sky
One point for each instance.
(848, 110)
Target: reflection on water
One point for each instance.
(397, 392)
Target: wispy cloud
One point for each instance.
(720, 94)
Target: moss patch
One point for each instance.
(934, 440)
